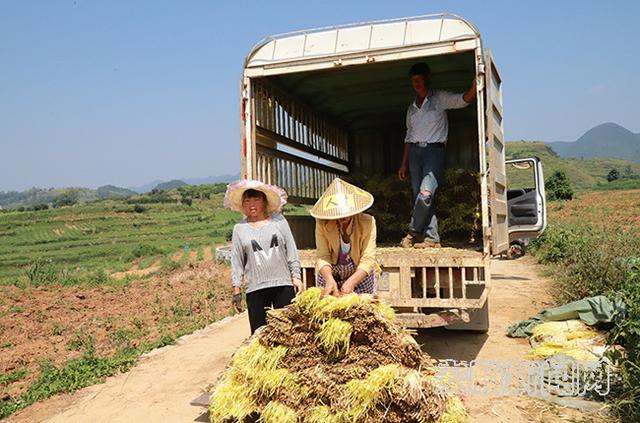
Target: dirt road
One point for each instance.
(161, 386)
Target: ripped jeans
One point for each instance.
(426, 166)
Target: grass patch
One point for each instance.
(200, 255)
(619, 184)
(13, 376)
(185, 257)
(167, 264)
(147, 262)
(83, 371)
(590, 255)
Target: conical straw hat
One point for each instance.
(341, 199)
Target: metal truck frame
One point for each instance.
(292, 138)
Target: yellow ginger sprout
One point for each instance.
(323, 414)
(454, 411)
(308, 300)
(256, 356)
(334, 336)
(386, 311)
(277, 412)
(231, 401)
(267, 382)
(412, 385)
(364, 394)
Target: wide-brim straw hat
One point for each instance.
(276, 196)
(341, 199)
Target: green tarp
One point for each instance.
(590, 310)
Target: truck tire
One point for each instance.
(478, 320)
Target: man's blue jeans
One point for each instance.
(426, 166)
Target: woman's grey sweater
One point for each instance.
(266, 256)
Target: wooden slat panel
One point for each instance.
(282, 119)
(436, 302)
(464, 282)
(405, 282)
(450, 274)
(437, 284)
(293, 118)
(269, 135)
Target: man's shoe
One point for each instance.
(427, 243)
(408, 241)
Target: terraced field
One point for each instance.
(85, 242)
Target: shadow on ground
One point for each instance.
(443, 344)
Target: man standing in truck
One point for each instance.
(424, 152)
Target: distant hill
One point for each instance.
(176, 183)
(212, 179)
(606, 140)
(37, 196)
(147, 187)
(189, 181)
(584, 174)
(112, 191)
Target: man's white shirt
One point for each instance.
(429, 124)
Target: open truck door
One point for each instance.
(526, 202)
(498, 212)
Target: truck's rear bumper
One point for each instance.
(432, 320)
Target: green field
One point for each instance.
(585, 175)
(85, 241)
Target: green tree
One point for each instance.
(613, 175)
(558, 186)
(67, 198)
(627, 172)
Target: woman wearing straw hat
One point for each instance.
(345, 240)
(263, 250)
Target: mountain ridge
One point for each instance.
(607, 140)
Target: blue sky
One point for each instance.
(122, 92)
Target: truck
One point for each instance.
(331, 102)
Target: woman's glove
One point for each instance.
(236, 302)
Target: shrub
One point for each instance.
(613, 175)
(38, 207)
(557, 243)
(41, 272)
(627, 334)
(558, 186)
(67, 198)
(588, 261)
(144, 250)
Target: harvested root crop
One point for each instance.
(335, 360)
(457, 205)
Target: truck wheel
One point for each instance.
(515, 250)
(478, 320)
